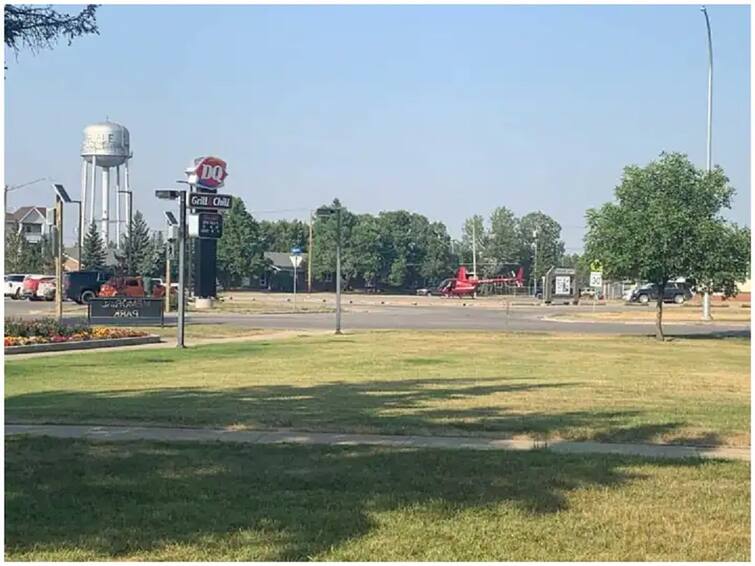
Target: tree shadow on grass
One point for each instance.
(433, 406)
(213, 501)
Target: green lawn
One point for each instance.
(694, 391)
(72, 500)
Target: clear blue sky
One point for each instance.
(446, 111)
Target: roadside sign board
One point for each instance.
(596, 266)
(210, 201)
(563, 285)
(131, 311)
(206, 225)
(295, 260)
(596, 279)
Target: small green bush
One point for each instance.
(43, 327)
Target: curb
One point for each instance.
(82, 345)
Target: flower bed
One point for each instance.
(50, 331)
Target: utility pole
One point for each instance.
(310, 256)
(474, 246)
(706, 295)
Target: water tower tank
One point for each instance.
(107, 141)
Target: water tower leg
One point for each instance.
(130, 198)
(105, 205)
(118, 201)
(84, 169)
(93, 191)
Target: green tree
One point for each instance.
(664, 223)
(324, 253)
(723, 257)
(136, 248)
(47, 254)
(474, 226)
(282, 235)
(40, 27)
(16, 250)
(502, 245)
(93, 252)
(240, 249)
(540, 245)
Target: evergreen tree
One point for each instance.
(136, 248)
(14, 251)
(93, 252)
(47, 255)
(240, 249)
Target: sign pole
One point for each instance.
(167, 276)
(294, 286)
(181, 270)
(59, 262)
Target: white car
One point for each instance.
(46, 289)
(14, 285)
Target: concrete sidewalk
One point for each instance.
(165, 434)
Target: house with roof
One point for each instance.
(279, 275)
(29, 221)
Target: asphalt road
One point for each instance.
(436, 317)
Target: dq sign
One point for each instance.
(208, 173)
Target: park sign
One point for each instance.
(209, 201)
(207, 173)
(131, 311)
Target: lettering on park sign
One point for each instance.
(131, 311)
(210, 201)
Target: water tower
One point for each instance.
(106, 145)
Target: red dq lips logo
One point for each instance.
(211, 172)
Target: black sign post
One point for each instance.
(128, 311)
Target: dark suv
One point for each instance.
(672, 292)
(83, 286)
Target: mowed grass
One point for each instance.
(605, 388)
(72, 500)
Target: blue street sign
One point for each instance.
(295, 251)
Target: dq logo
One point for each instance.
(211, 172)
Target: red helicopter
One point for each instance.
(465, 284)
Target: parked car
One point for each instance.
(83, 286)
(29, 289)
(46, 289)
(433, 291)
(14, 283)
(592, 293)
(672, 292)
(130, 287)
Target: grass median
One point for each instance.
(604, 388)
(74, 500)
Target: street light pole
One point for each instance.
(709, 152)
(181, 282)
(329, 212)
(338, 270)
